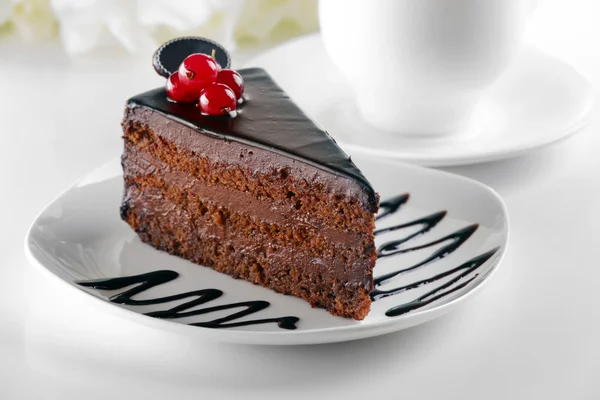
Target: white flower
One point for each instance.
(266, 22)
(6, 7)
(29, 19)
(141, 25)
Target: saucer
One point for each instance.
(537, 101)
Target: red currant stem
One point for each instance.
(225, 110)
(213, 53)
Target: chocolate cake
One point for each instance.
(267, 196)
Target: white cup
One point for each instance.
(419, 67)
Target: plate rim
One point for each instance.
(297, 337)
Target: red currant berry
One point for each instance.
(179, 92)
(217, 99)
(198, 71)
(232, 79)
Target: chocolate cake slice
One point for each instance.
(267, 196)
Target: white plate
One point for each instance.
(539, 100)
(80, 236)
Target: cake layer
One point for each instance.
(144, 169)
(285, 234)
(335, 281)
(314, 254)
(318, 198)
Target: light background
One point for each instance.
(531, 334)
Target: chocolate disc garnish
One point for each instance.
(169, 56)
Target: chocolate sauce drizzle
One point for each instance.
(433, 295)
(151, 279)
(450, 243)
(391, 206)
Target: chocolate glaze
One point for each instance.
(268, 119)
(149, 280)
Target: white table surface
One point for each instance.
(533, 333)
